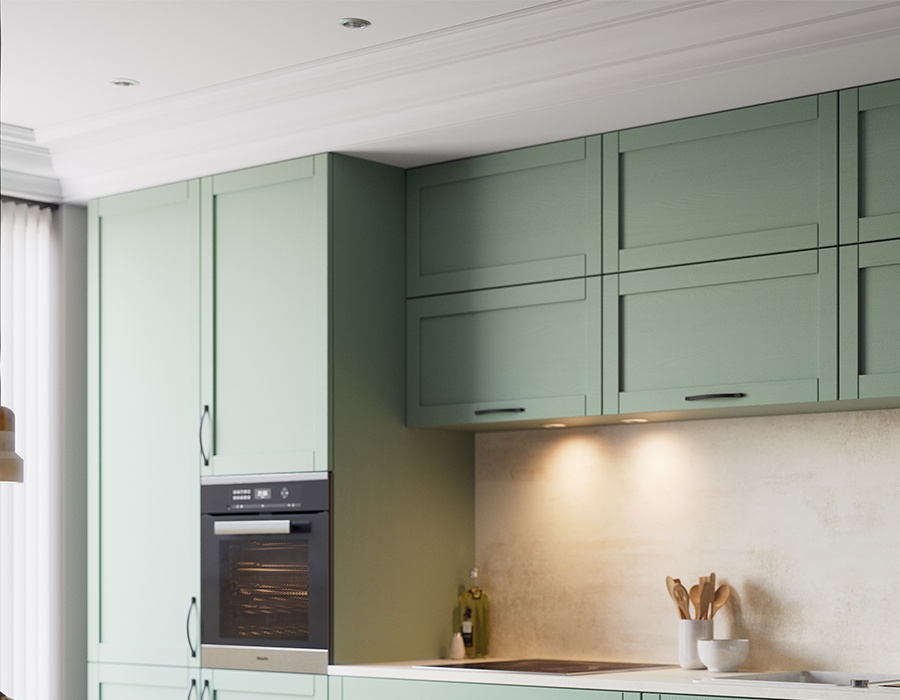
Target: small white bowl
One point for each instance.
(723, 655)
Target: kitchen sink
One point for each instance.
(821, 678)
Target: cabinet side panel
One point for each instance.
(403, 498)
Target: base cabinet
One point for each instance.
(133, 682)
(348, 688)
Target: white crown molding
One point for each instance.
(578, 63)
(27, 170)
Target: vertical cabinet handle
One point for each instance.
(206, 689)
(193, 689)
(203, 452)
(191, 608)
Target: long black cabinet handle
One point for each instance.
(191, 608)
(202, 450)
(706, 397)
(193, 689)
(489, 411)
(206, 689)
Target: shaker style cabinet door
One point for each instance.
(509, 354)
(870, 163)
(259, 685)
(265, 319)
(350, 688)
(870, 320)
(144, 388)
(746, 332)
(530, 215)
(137, 682)
(747, 182)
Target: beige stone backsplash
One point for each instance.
(577, 529)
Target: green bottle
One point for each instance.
(474, 619)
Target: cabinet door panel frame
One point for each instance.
(507, 408)
(856, 261)
(725, 394)
(734, 244)
(584, 151)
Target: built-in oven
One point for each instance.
(265, 573)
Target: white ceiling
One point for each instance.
(232, 83)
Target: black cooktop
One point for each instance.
(559, 666)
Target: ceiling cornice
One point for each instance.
(586, 65)
(27, 170)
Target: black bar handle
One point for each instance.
(206, 689)
(706, 397)
(301, 526)
(489, 411)
(193, 689)
(191, 608)
(202, 450)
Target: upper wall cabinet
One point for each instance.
(517, 353)
(746, 182)
(870, 320)
(265, 319)
(749, 332)
(523, 216)
(870, 163)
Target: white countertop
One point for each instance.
(663, 680)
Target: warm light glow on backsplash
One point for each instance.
(576, 530)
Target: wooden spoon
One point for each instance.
(671, 583)
(681, 597)
(723, 593)
(706, 596)
(695, 599)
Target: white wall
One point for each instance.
(576, 531)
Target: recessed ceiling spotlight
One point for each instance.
(354, 22)
(124, 82)
(554, 425)
(634, 420)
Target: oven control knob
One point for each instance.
(284, 492)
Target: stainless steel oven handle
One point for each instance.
(252, 527)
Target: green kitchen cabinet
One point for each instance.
(144, 389)
(249, 323)
(870, 163)
(137, 682)
(749, 332)
(518, 217)
(751, 181)
(140, 682)
(256, 685)
(354, 688)
(870, 320)
(265, 319)
(516, 353)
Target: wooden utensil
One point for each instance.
(706, 596)
(695, 599)
(723, 593)
(681, 597)
(670, 584)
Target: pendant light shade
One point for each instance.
(10, 462)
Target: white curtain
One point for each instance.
(30, 512)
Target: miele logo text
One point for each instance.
(262, 658)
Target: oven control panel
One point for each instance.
(271, 496)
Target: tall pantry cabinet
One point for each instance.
(253, 323)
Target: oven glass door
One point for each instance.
(265, 580)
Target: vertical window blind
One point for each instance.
(30, 512)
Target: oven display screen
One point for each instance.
(262, 494)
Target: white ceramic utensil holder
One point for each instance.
(689, 631)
